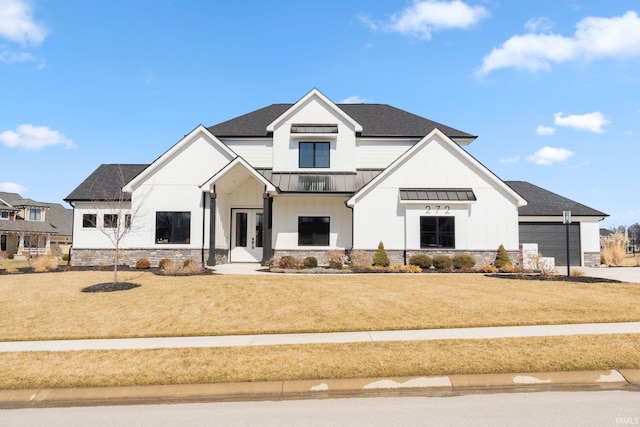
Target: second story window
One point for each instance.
(314, 155)
(34, 215)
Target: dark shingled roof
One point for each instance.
(377, 120)
(105, 183)
(541, 202)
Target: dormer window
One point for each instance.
(34, 215)
(314, 155)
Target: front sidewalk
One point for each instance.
(322, 338)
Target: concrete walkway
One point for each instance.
(322, 338)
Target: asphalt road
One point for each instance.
(589, 408)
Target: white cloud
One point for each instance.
(17, 23)
(513, 159)
(592, 122)
(545, 130)
(30, 137)
(550, 155)
(594, 38)
(355, 99)
(10, 57)
(427, 16)
(12, 187)
(535, 25)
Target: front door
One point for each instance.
(246, 235)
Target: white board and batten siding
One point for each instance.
(257, 152)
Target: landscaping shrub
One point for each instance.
(290, 262)
(380, 258)
(310, 262)
(401, 268)
(335, 259)
(502, 258)
(359, 258)
(191, 266)
(421, 260)
(164, 262)
(613, 249)
(442, 262)
(509, 268)
(463, 261)
(10, 256)
(11, 270)
(487, 268)
(65, 257)
(42, 264)
(143, 264)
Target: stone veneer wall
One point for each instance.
(97, 257)
(592, 259)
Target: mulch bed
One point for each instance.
(111, 287)
(555, 278)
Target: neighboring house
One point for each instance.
(28, 227)
(301, 179)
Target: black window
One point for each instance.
(110, 220)
(173, 227)
(241, 229)
(437, 232)
(313, 231)
(4, 214)
(314, 155)
(127, 220)
(89, 220)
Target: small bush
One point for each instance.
(421, 260)
(65, 257)
(577, 273)
(442, 262)
(508, 268)
(165, 262)
(42, 264)
(463, 261)
(335, 259)
(290, 262)
(487, 268)
(10, 256)
(143, 264)
(502, 258)
(191, 266)
(359, 258)
(380, 258)
(310, 262)
(271, 263)
(11, 270)
(401, 268)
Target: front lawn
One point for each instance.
(52, 306)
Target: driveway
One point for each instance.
(624, 274)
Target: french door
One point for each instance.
(246, 235)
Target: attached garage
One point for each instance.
(540, 221)
(552, 240)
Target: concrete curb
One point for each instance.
(452, 385)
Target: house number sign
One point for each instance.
(437, 209)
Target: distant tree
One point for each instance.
(634, 232)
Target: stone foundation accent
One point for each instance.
(105, 257)
(592, 259)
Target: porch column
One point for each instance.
(212, 227)
(267, 249)
(47, 244)
(20, 244)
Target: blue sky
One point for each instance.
(551, 87)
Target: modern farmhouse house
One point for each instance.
(304, 178)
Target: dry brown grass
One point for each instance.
(631, 260)
(359, 360)
(51, 306)
(613, 250)
(15, 263)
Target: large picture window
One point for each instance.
(313, 230)
(173, 227)
(437, 232)
(314, 155)
(110, 220)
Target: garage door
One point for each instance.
(551, 240)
